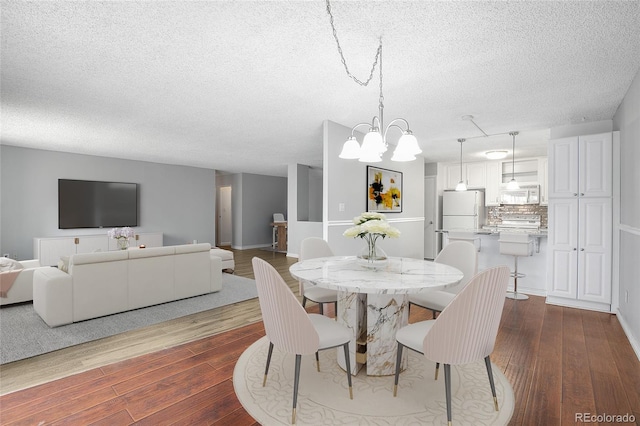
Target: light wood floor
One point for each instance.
(559, 361)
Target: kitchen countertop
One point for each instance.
(493, 230)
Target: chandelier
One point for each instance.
(375, 143)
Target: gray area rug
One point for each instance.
(24, 334)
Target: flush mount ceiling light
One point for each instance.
(461, 186)
(375, 143)
(513, 184)
(496, 155)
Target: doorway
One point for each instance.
(224, 220)
(430, 234)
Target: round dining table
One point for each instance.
(373, 302)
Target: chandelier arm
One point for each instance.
(390, 125)
(344, 61)
(353, 129)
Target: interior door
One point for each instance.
(224, 216)
(430, 217)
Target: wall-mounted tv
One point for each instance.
(93, 204)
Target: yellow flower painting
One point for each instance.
(384, 190)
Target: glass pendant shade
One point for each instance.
(350, 149)
(409, 144)
(402, 156)
(461, 186)
(513, 184)
(373, 142)
(370, 157)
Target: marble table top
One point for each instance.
(400, 275)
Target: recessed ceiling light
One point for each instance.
(496, 155)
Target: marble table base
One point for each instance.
(373, 320)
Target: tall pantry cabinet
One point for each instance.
(580, 222)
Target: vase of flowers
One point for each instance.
(370, 227)
(121, 235)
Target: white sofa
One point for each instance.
(22, 288)
(105, 283)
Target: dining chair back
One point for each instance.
(463, 256)
(289, 327)
(312, 248)
(464, 332)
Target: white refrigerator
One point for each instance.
(462, 210)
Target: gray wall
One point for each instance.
(627, 120)
(261, 197)
(175, 200)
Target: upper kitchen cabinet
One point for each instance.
(543, 180)
(494, 179)
(473, 174)
(581, 166)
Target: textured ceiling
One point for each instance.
(243, 86)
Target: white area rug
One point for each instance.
(323, 397)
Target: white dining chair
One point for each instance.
(312, 248)
(289, 327)
(461, 255)
(464, 332)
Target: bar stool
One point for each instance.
(516, 245)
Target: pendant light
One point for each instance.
(461, 186)
(513, 184)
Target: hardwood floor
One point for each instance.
(559, 361)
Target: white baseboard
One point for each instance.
(627, 330)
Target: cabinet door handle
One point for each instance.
(575, 194)
(574, 249)
(582, 194)
(581, 249)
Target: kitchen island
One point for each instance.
(487, 240)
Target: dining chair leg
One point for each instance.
(321, 307)
(296, 381)
(398, 360)
(487, 362)
(317, 362)
(437, 370)
(266, 370)
(433, 314)
(347, 361)
(335, 304)
(447, 390)
(304, 301)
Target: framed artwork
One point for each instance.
(384, 190)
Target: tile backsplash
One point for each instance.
(494, 214)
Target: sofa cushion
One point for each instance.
(192, 248)
(152, 252)
(106, 256)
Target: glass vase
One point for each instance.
(123, 243)
(372, 256)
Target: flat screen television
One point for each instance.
(93, 204)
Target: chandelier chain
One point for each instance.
(344, 61)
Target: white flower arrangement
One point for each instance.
(370, 227)
(120, 233)
(368, 224)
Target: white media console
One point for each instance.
(49, 250)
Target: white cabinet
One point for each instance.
(476, 174)
(581, 166)
(580, 222)
(473, 174)
(50, 250)
(492, 188)
(543, 173)
(452, 175)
